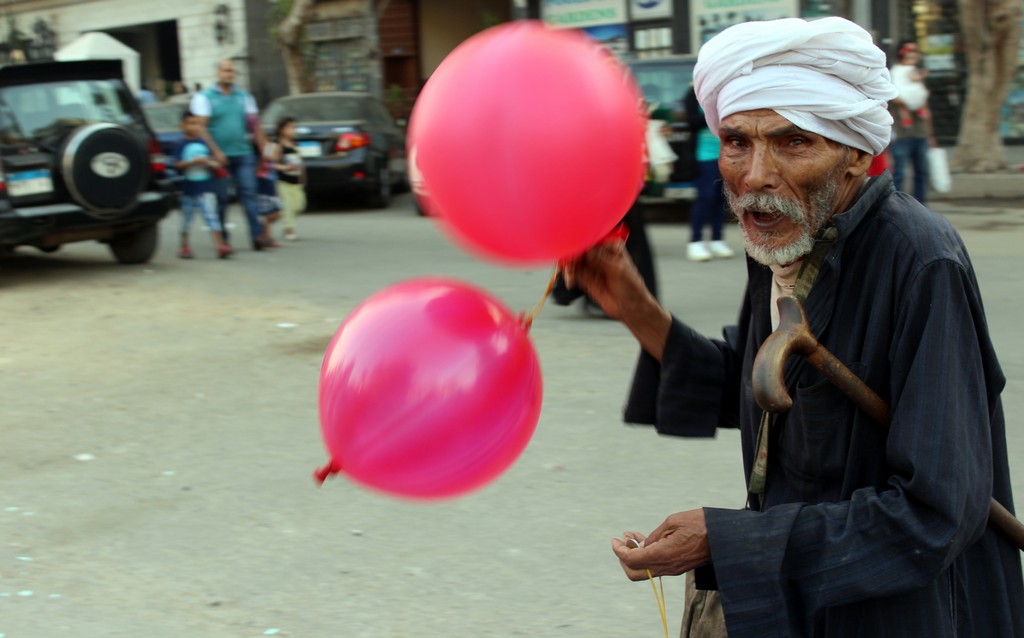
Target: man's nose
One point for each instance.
(762, 171)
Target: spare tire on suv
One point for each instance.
(104, 167)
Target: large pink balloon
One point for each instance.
(530, 142)
(429, 389)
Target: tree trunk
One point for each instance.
(991, 31)
(300, 79)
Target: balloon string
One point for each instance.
(528, 317)
(659, 597)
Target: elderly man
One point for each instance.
(851, 529)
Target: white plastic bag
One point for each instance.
(938, 170)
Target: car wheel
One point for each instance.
(381, 198)
(104, 167)
(136, 246)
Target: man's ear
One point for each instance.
(860, 161)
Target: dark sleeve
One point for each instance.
(780, 568)
(563, 295)
(694, 116)
(683, 395)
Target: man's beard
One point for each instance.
(821, 200)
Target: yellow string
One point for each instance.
(528, 317)
(659, 597)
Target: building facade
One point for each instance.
(386, 47)
(390, 47)
(653, 28)
(175, 41)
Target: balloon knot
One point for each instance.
(321, 474)
(619, 233)
(526, 320)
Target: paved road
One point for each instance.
(159, 429)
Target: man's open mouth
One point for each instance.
(765, 220)
(763, 216)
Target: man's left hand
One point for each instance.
(677, 546)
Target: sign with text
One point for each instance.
(709, 17)
(576, 14)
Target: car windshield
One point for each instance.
(316, 109)
(42, 111)
(164, 117)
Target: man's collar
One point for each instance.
(876, 189)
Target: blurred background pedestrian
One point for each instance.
(194, 161)
(291, 175)
(268, 197)
(179, 93)
(231, 124)
(709, 207)
(913, 121)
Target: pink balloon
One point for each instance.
(416, 183)
(430, 389)
(530, 142)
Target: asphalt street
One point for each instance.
(159, 428)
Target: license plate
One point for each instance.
(25, 183)
(310, 149)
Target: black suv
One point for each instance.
(78, 161)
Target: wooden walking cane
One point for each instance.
(793, 336)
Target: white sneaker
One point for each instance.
(719, 249)
(697, 251)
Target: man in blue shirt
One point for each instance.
(229, 116)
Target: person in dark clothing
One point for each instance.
(637, 245)
(851, 529)
(913, 122)
(709, 207)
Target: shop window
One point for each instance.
(655, 42)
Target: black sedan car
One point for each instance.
(165, 120)
(348, 142)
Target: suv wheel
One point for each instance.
(136, 246)
(105, 167)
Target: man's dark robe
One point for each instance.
(861, 530)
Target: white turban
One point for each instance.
(825, 76)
